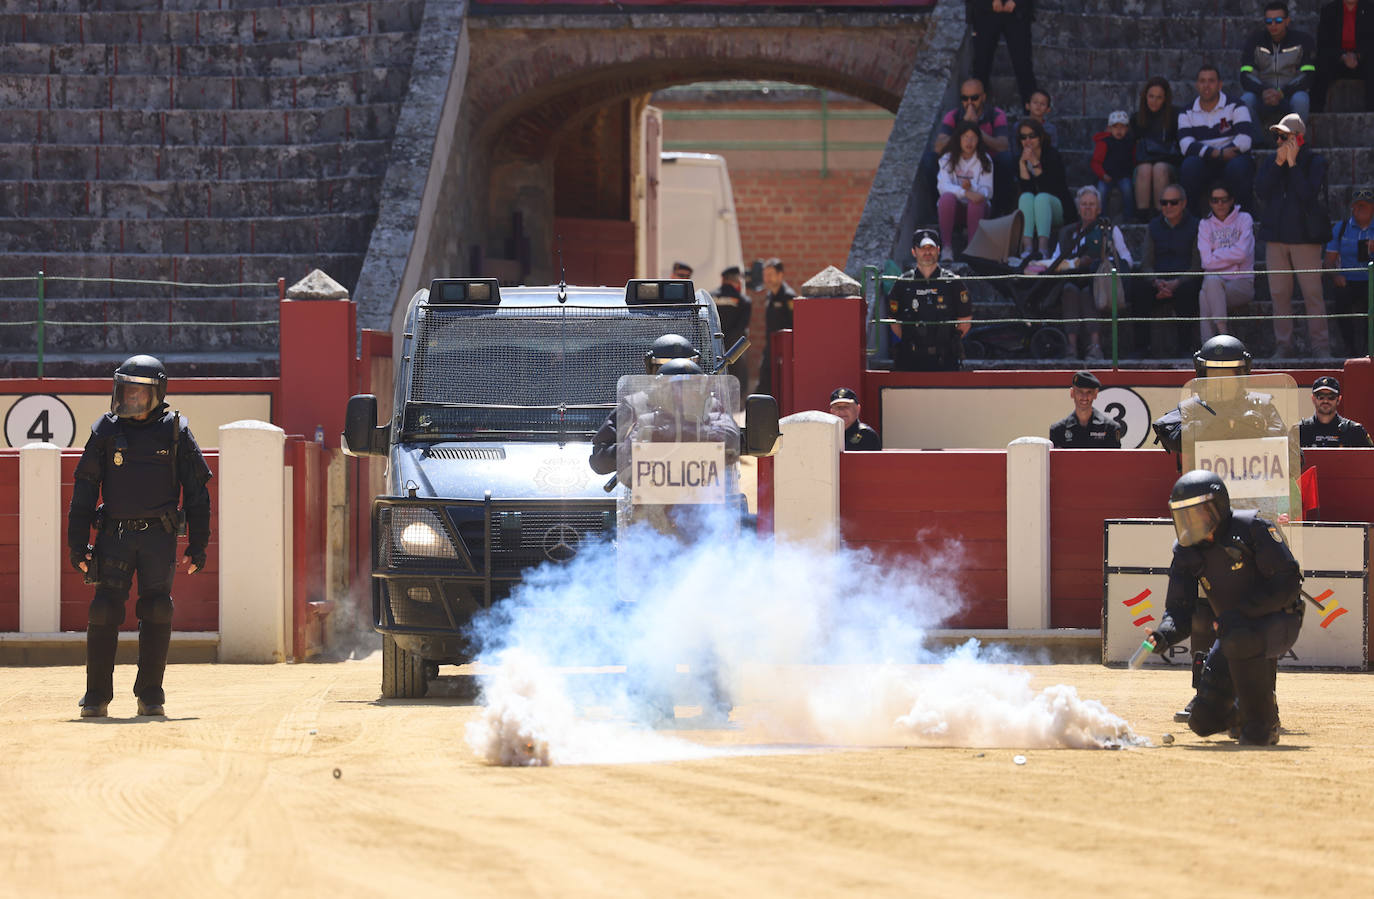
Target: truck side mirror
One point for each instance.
(361, 436)
(761, 431)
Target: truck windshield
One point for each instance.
(531, 372)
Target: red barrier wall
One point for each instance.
(9, 541)
(914, 504)
(308, 542)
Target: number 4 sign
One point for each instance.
(39, 418)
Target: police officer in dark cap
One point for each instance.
(144, 465)
(933, 309)
(1085, 427)
(1253, 585)
(844, 404)
(1326, 427)
(734, 308)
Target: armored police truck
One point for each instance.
(498, 394)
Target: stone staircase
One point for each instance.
(1093, 62)
(206, 142)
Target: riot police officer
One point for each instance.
(664, 349)
(1253, 585)
(933, 309)
(144, 465)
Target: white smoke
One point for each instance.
(820, 648)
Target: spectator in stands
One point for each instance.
(1155, 125)
(844, 405)
(1214, 135)
(1114, 160)
(1345, 49)
(1037, 109)
(682, 271)
(1085, 427)
(965, 184)
(1171, 247)
(777, 311)
(1085, 248)
(1278, 67)
(973, 107)
(1290, 187)
(1041, 189)
(1326, 427)
(1352, 241)
(988, 21)
(1226, 247)
(733, 306)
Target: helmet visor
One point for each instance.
(653, 363)
(1195, 518)
(130, 400)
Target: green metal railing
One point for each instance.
(872, 278)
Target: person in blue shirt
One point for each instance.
(1349, 247)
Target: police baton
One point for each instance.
(730, 358)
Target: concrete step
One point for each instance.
(98, 275)
(1092, 62)
(234, 26)
(212, 324)
(156, 92)
(311, 57)
(149, 162)
(99, 364)
(80, 6)
(339, 233)
(194, 127)
(1106, 31)
(189, 199)
(1183, 9)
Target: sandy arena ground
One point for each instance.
(236, 794)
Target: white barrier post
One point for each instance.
(806, 480)
(1028, 533)
(251, 537)
(42, 545)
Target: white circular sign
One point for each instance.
(39, 418)
(1127, 408)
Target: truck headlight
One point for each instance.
(421, 539)
(418, 532)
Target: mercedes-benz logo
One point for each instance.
(560, 543)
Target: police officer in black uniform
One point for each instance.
(734, 308)
(663, 350)
(144, 465)
(1253, 585)
(778, 300)
(934, 308)
(1085, 427)
(844, 404)
(1326, 427)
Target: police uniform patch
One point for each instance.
(1205, 585)
(118, 458)
(1274, 532)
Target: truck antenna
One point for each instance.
(562, 273)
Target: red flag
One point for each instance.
(1307, 483)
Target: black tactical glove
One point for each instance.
(197, 556)
(80, 555)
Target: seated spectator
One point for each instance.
(1226, 248)
(973, 107)
(1170, 247)
(1326, 427)
(965, 183)
(1155, 125)
(1214, 136)
(1085, 427)
(1085, 247)
(1345, 49)
(1278, 67)
(931, 311)
(682, 271)
(988, 21)
(1352, 241)
(1290, 187)
(1041, 189)
(844, 405)
(1037, 109)
(1114, 160)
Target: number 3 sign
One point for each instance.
(39, 418)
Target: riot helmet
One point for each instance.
(1199, 504)
(140, 386)
(669, 346)
(679, 367)
(1220, 357)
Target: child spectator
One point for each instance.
(1037, 108)
(1114, 160)
(1042, 188)
(1155, 126)
(965, 184)
(1226, 246)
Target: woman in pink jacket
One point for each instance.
(1226, 243)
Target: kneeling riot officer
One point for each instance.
(1253, 585)
(143, 463)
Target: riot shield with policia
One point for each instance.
(141, 471)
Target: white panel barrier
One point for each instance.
(1028, 533)
(1335, 562)
(42, 543)
(252, 529)
(806, 480)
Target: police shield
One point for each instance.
(1244, 429)
(677, 450)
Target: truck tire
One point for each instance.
(403, 673)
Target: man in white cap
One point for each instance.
(1326, 427)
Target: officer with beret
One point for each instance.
(734, 308)
(143, 463)
(1085, 427)
(1326, 427)
(844, 404)
(932, 310)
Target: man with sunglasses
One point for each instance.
(1326, 427)
(1171, 248)
(1279, 66)
(992, 121)
(1349, 248)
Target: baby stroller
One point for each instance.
(995, 240)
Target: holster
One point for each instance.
(175, 522)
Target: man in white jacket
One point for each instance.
(1226, 246)
(1215, 135)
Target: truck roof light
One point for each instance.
(464, 292)
(663, 292)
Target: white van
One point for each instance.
(696, 221)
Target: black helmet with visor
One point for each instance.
(140, 386)
(1199, 504)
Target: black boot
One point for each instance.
(153, 643)
(101, 643)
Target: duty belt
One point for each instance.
(124, 525)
